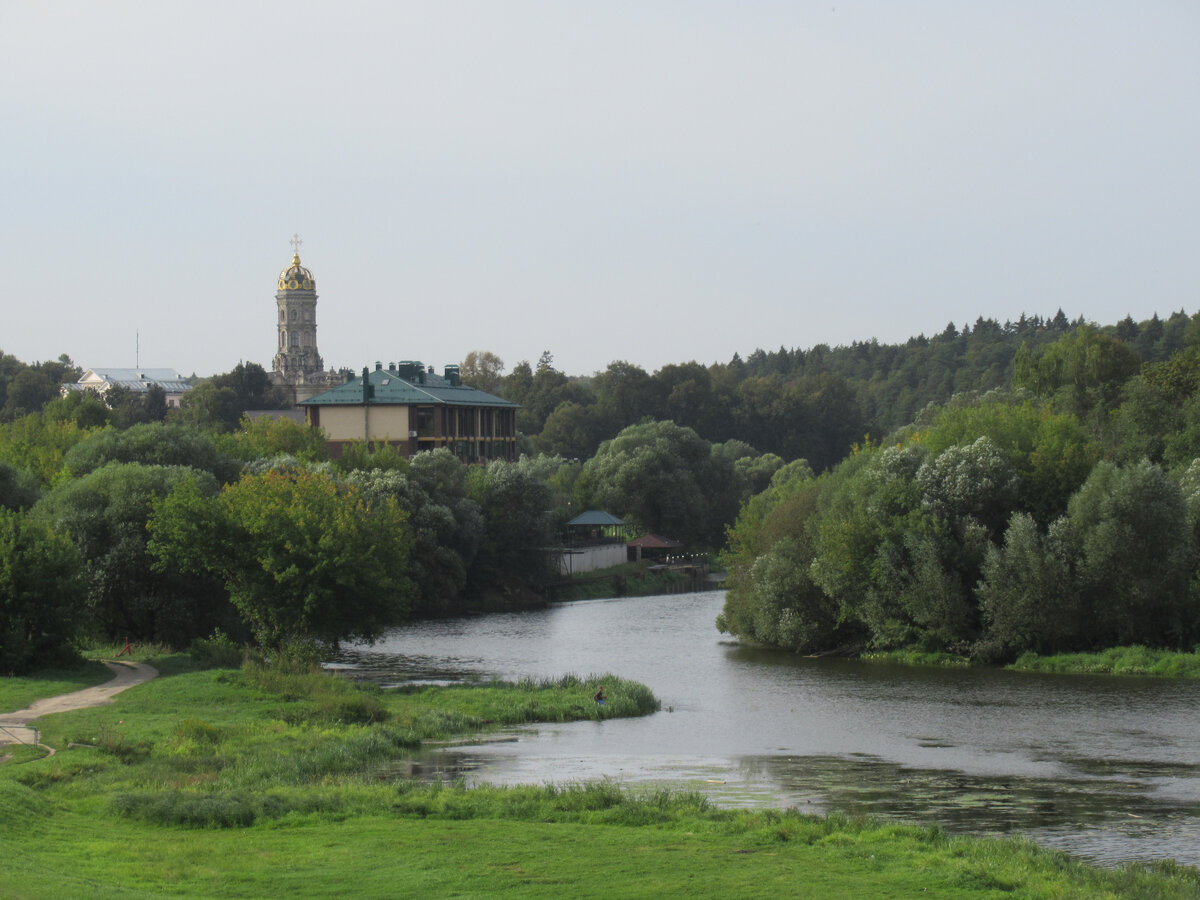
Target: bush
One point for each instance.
(217, 652)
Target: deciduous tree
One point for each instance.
(482, 370)
(105, 513)
(303, 557)
(666, 479)
(41, 593)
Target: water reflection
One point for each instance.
(1109, 768)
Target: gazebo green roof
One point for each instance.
(596, 517)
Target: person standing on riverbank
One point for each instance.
(600, 699)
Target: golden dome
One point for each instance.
(296, 278)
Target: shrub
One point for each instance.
(217, 652)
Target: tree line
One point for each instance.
(795, 403)
(1059, 512)
(125, 519)
(168, 532)
(1003, 517)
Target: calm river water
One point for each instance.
(1107, 768)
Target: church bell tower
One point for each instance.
(296, 357)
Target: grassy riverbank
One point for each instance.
(1133, 660)
(918, 658)
(253, 782)
(1116, 661)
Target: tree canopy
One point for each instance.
(666, 479)
(302, 555)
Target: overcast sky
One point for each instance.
(648, 181)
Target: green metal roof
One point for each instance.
(596, 517)
(392, 390)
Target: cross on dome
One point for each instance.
(296, 242)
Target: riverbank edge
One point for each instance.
(643, 578)
(1134, 660)
(65, 795)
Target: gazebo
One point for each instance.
(595, 527)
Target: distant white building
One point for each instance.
(98, 381)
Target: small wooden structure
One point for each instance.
(653, 546)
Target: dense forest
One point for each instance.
(811, 404)
(1059, 512)
(990, 490)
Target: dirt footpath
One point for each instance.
(14, 726)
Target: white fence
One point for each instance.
(574, 560)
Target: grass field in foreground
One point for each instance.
(252, 783)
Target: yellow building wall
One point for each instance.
(346, 423)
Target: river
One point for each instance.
(1102, 767)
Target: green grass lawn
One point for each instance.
(257, 783)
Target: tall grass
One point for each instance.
(918, 658)
(315, 695)
(243, 774)
(565, 699)
(597, 802)
(1132, 660)
(302, 729)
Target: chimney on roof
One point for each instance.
(452, 376)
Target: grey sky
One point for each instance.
(654, 182)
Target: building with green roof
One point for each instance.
(413, 408)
